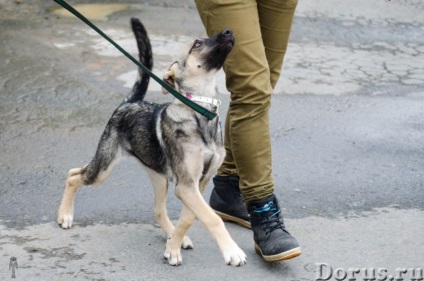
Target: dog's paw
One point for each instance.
(187, 243)
(235, 256)
(173, 256)
(65, 220)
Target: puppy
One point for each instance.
(172, 141)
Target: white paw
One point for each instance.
(187, 243)
(65, 219)
(235, 256)
(173, 256)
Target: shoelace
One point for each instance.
(273, 221)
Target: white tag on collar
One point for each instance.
(213, 101)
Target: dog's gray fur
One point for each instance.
(172, 141)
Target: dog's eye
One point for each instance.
(197, 44)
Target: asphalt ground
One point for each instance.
(347, 124)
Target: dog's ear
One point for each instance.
(170, 77)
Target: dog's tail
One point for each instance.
(146, 58)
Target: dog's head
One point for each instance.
(197, 66)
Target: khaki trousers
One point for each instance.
(261, 30)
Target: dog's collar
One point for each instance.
(212, 101)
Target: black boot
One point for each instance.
(272, 240)
(227, 202)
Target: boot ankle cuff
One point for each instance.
(226, 182)
(260, 203)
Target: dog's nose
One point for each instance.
(227, 32)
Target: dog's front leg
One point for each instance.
(177, 239)
(160, 184)
(193, 200)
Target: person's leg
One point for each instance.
(247, 129)
(228, 167)
(247, 135)
(272, 239)
(276, 19)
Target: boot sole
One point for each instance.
(279, 257)
(228, 218)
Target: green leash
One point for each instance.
(208, 114)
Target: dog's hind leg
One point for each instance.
(66, 210)
(160, 184)
(94, 173)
